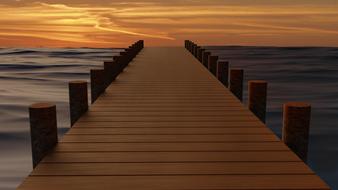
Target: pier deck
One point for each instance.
(166, 124)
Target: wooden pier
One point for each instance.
(167, 123)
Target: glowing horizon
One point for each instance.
(49, 24)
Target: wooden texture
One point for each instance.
(167, 123)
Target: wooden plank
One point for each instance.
(132, 169)
(201, 182)
(169, 138)
(166, 119)
(200, 124)
(159, 157)
(167, 147)
(168, 114)
(166, 131)
(173, 101)
(121, 108)
(177, 104)
(95, 108)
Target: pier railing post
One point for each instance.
(212, 64)
(123, 60)
(296, 126)
(118, 61)
(223, 72)
(190, 46)
(78, 100)
(193, 49)
(200, 54)
(97, 83)
(205, 58)
(110, 72)
(196, 51)
(43, 127)
(236, 82)
(257, 98)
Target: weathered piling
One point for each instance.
(193, 48)
(118, 64)
(236, 82)
(122, 60)
(257, 98)
(127, 56)
(296, 126)
(205, 58)
(212, 64)
(196, 51)
(97, 83)
(141, 44)
(200, 54)
(223, 72)
(110, 72)
(78, 100)
(43, 127)
(189, 45)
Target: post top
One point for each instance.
(42, 105)
(258, 82)
(297, 104)
(236, 70)
(78, 82)
(213, 57)
(96, 70)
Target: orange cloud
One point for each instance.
(159, 23)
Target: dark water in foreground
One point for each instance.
(294, 74)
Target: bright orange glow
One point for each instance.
(116, 25)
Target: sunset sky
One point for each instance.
(111, 23)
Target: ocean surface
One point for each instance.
(294, 74)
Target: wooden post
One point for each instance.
(196, 51)
(212, 64)
(205, 58)
(117, 60)
(78, 100)
(110, 72)
(123, 60)
(223, 72)
(236, 82)
(296, 126)
(97, 83)
(127, 56)
(193, 48)
(142, 44)
(200, 54)
(257, 98)
(43, 127)
(193, 45)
